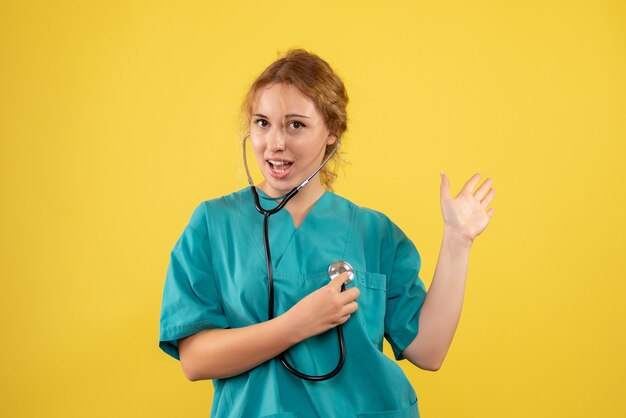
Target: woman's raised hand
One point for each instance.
(324, 308)
(466, 214)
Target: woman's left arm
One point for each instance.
(465, 217)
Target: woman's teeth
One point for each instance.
(279, 166)
(279, 162)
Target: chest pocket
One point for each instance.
(288, 290)
(372, 302)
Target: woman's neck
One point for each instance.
(303, 200)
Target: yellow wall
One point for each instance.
(117, 118)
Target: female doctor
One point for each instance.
(214, 314)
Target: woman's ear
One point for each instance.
(332, 138)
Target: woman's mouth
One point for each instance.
(279, 168)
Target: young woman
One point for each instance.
(277, 353)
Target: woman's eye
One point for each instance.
(262, 124)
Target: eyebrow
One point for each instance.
(287, 116)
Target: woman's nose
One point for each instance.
(277, 141)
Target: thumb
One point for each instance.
(445, 185)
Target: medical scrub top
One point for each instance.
(217, 278)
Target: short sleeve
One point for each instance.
(191, 301)
(405, 293)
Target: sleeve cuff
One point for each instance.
(168, 339)
(400, 339)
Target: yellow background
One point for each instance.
(118, 117)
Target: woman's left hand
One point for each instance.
(466, 214)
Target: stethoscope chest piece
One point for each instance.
(339, 267)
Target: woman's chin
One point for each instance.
(275, 188)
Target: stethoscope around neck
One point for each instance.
(334, 269)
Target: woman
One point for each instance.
(214, 315)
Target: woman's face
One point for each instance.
(288, 136)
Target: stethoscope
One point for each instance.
(335, 269)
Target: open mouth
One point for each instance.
(279, 168)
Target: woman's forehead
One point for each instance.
(281, 100)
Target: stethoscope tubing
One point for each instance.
(268, 257)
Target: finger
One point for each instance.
(487, 200)
(344, 319)
(471, 183)
(483, 189)
(352, 307)
(338, 281)
(351, 294)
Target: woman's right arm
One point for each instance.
(219, 353)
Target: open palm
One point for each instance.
(466, 214)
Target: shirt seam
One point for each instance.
(210, 249)
(349, 238)
(184, 326)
